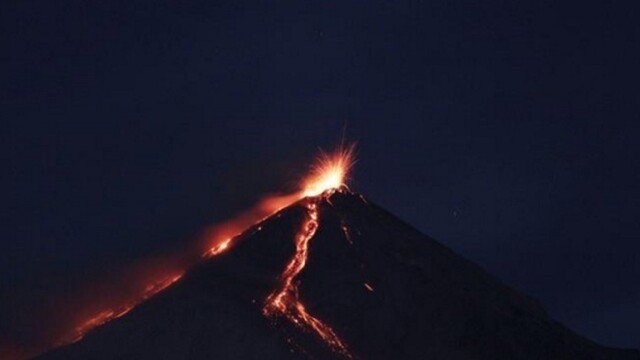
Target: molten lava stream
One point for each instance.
(285, 300)
(327, 175)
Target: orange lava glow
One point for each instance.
(105, 316)
(327, 175)
(220, 238)
(285, 301)
(345, 231)
(329, 172)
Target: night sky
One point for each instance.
(507, 131)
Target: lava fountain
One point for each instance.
(328, 174)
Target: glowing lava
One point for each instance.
(285, 300)
(220, 238)
(326, 176)
(330, 171)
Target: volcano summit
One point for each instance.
(387, 291)
(330, 275)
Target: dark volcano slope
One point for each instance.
(426, 303)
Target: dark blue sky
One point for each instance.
(507, 131)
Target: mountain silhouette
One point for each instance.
(380, 286)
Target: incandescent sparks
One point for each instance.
(330, 171)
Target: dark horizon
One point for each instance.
(508, 132)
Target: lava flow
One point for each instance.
(285, 300)
(326, 176)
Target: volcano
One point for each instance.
(334, 276)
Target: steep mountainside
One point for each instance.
(384, 290)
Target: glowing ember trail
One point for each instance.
(285, 299)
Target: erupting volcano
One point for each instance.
(324, 273)
(328, 174)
